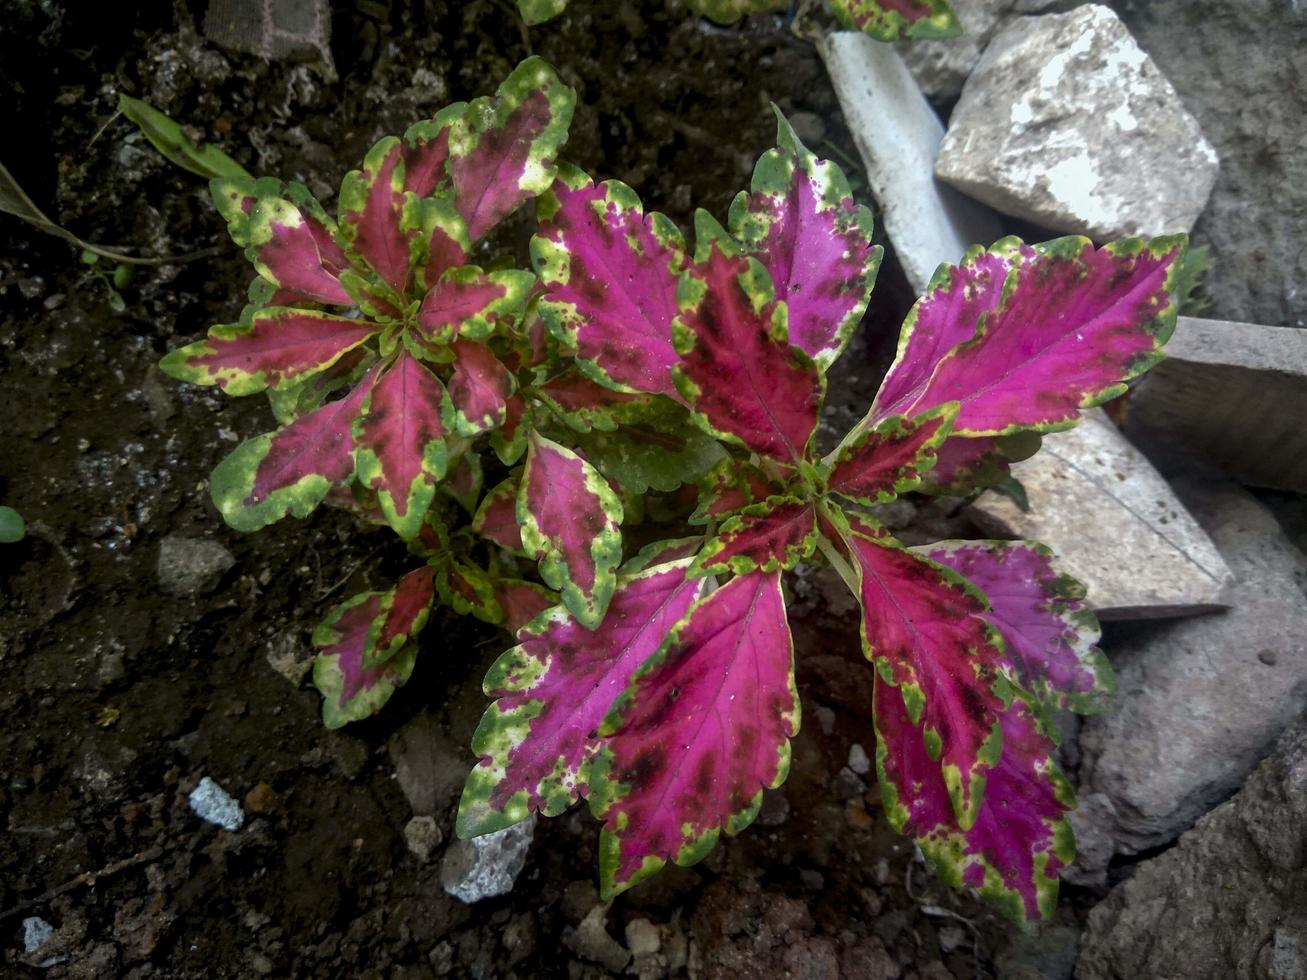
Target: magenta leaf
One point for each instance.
(479, 388)
(464, 481)
(296, 250)
(889, 20)
(496, 517)
(890, 457)
(1065, 329)
(922, 627)
(277, 348)
(728, 488)
(446, 240)
(402, 613)
(468, 590)
(352, 691)
(426, 150)
(571, 524)
(554, 690)
(522, 602)
(469, 303)
(801, 221)
(502, 149)
(609, 272)
(701, 731)
(509, 440)
(738, 372)
(290, 470)
(401, 442)
(585, 406)
(1020, 839)
(767, 537)
(371, 206)
(1050, 633)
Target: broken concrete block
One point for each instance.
(1067, 123)
(1113, 520)
(1233, 394)
(294, 29)
(898, 134)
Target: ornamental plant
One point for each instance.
(629, 390)
(884, 20)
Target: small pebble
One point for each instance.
(642, 937)
(858, 760)
(36, 932)
(213, 803)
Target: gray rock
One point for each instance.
(1113, 520)
(1067, 123)
(484, 867)
(290, 657)
(590, 940)
(858, 760)
(1253, 427)
(36, 933)
(643, 938)
(898, 135)
(211, 802)
(1200, 702)
(1228, 901)
(191, 566)
(1044, 953)
(296, 29)
(423, 835)
(1248, 96)
(942, 67)
(430, 765)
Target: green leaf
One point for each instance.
(168, 139)
(539, 11)
(12, 528)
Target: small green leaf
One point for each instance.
(12, 528)
(1012, 487)
(168, 139)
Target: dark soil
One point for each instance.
(117, 699)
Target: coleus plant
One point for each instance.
(884, 20)
(511, 425)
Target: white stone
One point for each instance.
(898, 136)
(212, 803)
(858, 760)
(1200, 702)
(486, 866)
(36, 933)
(1067, 123)
(1113, 520)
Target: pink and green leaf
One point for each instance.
(700, 732)
(738, 372)
(728, 488)
(1050, 633)
(922, 626)
(372, 215)
(479, 388)
(401, 442)
(767, 537)
(402, 613)
(555, 689)
(584, 405)
(468, 590)
(509, 440)
(279, 347)
(464, 481)
(350, 690)
(609, 274)
(496, 516)
(889, 20)
(1020, 839)
(468, 303)
(502, 150)
(890, 457)
(522, 602)
(801, 221)
(1069, 326)
(235, 197)
(446, 242)
(290, 470)
(426, 150)
(571, 524)
(297, 251)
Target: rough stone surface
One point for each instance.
(191, 566)
(1098, 502)
(898, 135)
(1228, 901)
(941, 67)
(423, 835)
(1045, 953)
(36, 933)
(1234, 394)
(1199, 703)
(429, 765)
(1067, 123)
(1248, 92)
(591, 940)
(295, 29)
(211, 802)
(484, 867)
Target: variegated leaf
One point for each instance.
(372, 223)
(496, 516)
(479, 388)
(350, 690)
(585, 406)
(767, 537)
(890, 457)
(468, 303)
(728, 488)
(889, 20)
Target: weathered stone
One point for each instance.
(423, 835)
(484, 867)
(295, 29)
(429, 765)
(1199, 703)
(642, 937)
(1067, 123)
(1044, 953)
(942, 67)
(590, 940)
(191, 566)
(898, 135)
(212, 803)
(1228, 901)
(289, 656)
(1248, 93)
(1098, 502)
(1234, 394)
